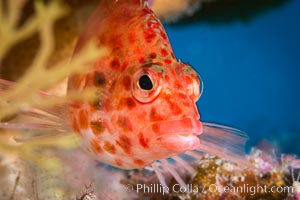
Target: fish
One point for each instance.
(145, 111)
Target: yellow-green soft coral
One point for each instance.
(25, 93)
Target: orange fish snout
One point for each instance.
(177, 136)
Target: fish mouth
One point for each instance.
(178, 135)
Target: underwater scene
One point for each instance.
(149, 99)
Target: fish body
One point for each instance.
(145, 112)
(146, 99)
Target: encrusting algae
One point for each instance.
(33, 167)
(268, 178)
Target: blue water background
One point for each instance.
(251, 73)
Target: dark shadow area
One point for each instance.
(226, 11)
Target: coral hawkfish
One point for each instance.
(145, 112)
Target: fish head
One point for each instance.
(152, 113)
(166, 96)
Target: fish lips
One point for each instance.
(179, 143)
(178, 135)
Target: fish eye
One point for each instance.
(145, 82)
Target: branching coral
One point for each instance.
(26, 93)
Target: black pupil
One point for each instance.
(145, 82)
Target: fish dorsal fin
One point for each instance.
(106, 8)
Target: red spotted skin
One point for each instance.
(130, 126)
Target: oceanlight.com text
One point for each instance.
(212, 188)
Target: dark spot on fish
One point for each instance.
(99, 78)
(126, 82)
(145, 11)
(110, 148)
(152, 55)
(97, 127)
(115, 64)
(163, 35)
(127, 102)
(142, 60)
(139, 162)
(155, 128)
(96, 104)
(154, 116)
(163, 52)
(144, 142)
(118, 162)
(124, 66)
(167, 77)
(167, 61)
(188, 79)
(177, 84)
(174, 107)
(173, 72)
(95, 144)
(125, 143)
(149, 36)
(124, 123)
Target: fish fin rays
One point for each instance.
(38, 121)
(159, 173)
(178, 167)
(37, 124)
(223, 141)
(35, 127)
